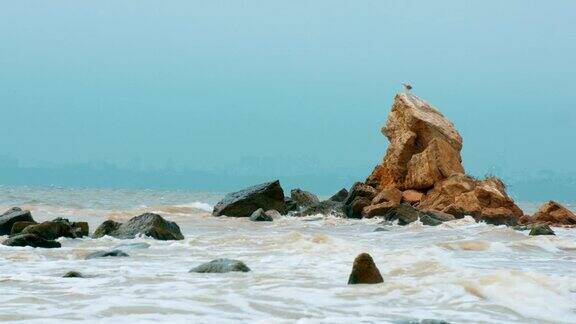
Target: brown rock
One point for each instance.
(364, 271)
(360, 196)
(388, 195)
(412, 196)
(19, 227)
(554, 214)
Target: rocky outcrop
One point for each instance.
(221, 266)
(340, 196)
(31, 240)
(260, 216)
(149, 224)
(303, 198)
(423, 164)
(364, 271)
(552, 213)
(12, 216)
(107, 254)
(541, 229)
(243, 203)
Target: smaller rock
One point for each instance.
(541, 229)
(31, 240)
(50, 230)
(18, 227)
(105, 254)
(381, 229)
(554, 214)
(303, 198)
(13, 215)
(340, 196)
(291, 205)
(364, 271)
(148, 224)
(243, 203)
(273, 213)
(520, 227)
(260, 216)
(80, 229)
(326, 207)
(221, 266)
(434, 218)
(132, 246)
(412, 196)
(73, 274)
(109, 226)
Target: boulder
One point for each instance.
(31, 240)
(340, 196)
(12, 216)
(541, 229)
(72, 274)
(424, 146)
(149, 224)
(50, 230)
(221, 266)
(412, 196)
(360, 196)
(554, 214)
(364, 271)
(303, 198)
(326, 207)
(105, 254)
(260, 216)
(243, 203)
(18, 227)
(406, 214)
(290, 204)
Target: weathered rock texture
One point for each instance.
(243, 203)
(423, 167)
(221, 266)
(364, 271)
(552, 213)
(12, 216)
(148, 224)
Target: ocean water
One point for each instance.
(460, 271)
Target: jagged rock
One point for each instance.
(340, 196)
(412, 196)
(326, 207)
(553, 213)
(12, 216)
(31, 240)
(364, 271)
(360, 196)
(243, 203)
(541, 229)
(260, 216)
(72, 274)
(303, 198)
(423, 144)
(149, 224)
(18, 227)
(221, 266)
(291, 205)
(105, 254)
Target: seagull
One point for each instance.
(407, 87)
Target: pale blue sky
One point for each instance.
(203, 84)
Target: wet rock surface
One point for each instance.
(13, 215)
(149, 224)
(340, 196)
(106, 254)
(303, 198)
(31, 240)
(73, 274)
(364, 271)
(260, 216)
(541, 229)
(553, 213)
(221, 266)
(243, 203)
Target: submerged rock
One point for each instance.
(291, 205)
(553, 213)
(31, 240)
(50, 230)
(18, 227)
(541, 229)
(360, 196)
(340, 196)
(12, 216)
(326, 207)
(303, 198)
(243, 203)
(364, 271)
(221, 266)
(149, 224)
(72, 274)
(105, 254)
(260, 216)
(132, 246)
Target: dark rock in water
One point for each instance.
(541, 229)
(31, 240)
(520, 227)
(364, 271)
(132, 246)
(73, 274)
(340, 196)
(291, 205)
(260, 216)
(354, 209)
(50, 230)
(105, 254)
(148, 224)
(406, 214)
(303, 198)
(221, 266)
(18, 227)
(326, 207)
(243, 203)
(381, 229)
(424, 321)
(12, 216)
(360, 196)
(434, 218)
(80, 229)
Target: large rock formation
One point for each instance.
(552, 213)
(423, 167)
(243, 203)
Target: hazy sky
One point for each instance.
(206, 83)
